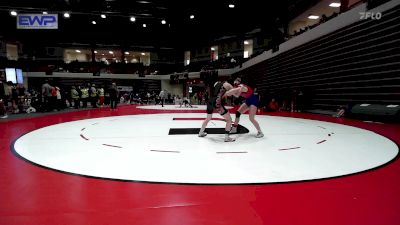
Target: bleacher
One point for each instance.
(359, 63)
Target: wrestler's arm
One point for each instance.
(234, 91)
(243, 88)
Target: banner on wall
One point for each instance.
(37, 21)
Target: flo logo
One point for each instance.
(370, 15)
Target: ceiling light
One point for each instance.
(246, 42)
(78, 51)
(163, 22)
(103, 16)
(143, 53)
(126, 53)
(313, 17)
(144, 25)
(93, 22)
(13, 13)
(231, 6)
(95, 52)
(67, 15)
(45, 13)
(133, 19)
(334, 4)
(143, 2)
(191, 16)
(111, 52)
(213, 49)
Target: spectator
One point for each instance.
(93, 96)
(162, 95)
(53, 99)
(3, 111)
(75, 97)
(148, 97)
(344, 5)
(84, 96)
(273, 106)
(101, 96)
(59, 100)
(342, 111)
(233, 61)
(323, 19)
(14, 98)
(21, 97)
(113, 95)
(7, 93)
(46, 96)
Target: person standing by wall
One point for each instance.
(14, 98)
(75, 97)
(93, 96)
(113, 95)
(101, 96)
(84, 96)
(3, 111)
(163, 95)
(273, 106)
(46, 96)
(7, 94)
(59, 100)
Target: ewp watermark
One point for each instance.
(370, 15)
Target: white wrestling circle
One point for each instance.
(138, 148)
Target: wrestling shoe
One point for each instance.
(229, 139)
(259, 135)
(202, 134)
(233, 130)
